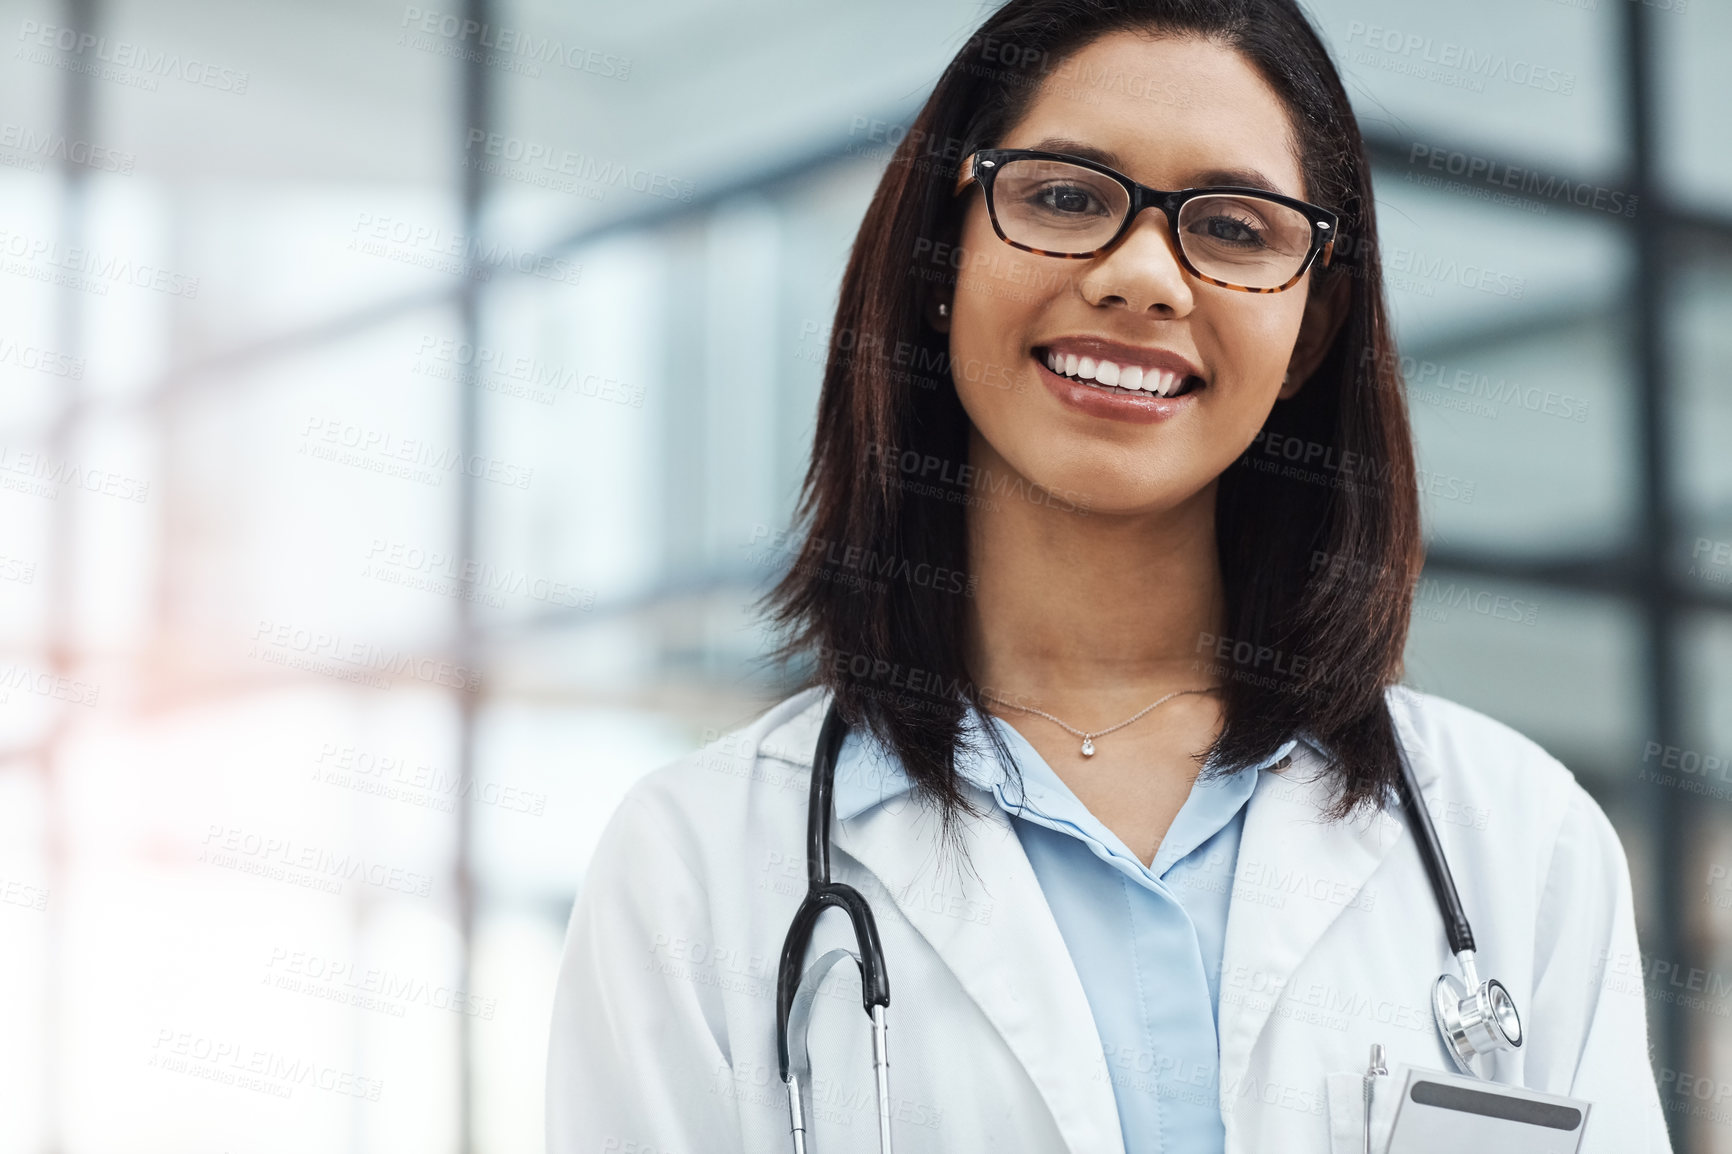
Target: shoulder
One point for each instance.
(1470, 749)
(1478, 772)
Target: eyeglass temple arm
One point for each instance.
(965, 176)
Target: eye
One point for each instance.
(1237, 228)
(1068, 200)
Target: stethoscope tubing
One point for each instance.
(1455, 924)
(1467, 1033)
(821, 892)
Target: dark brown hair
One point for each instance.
(1319, 547)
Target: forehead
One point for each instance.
(1170, 109)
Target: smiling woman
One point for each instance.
(1160, 716)
(1111, 99)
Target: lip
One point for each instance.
(1093, 401)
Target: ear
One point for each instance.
(1325, 311)
(939, 318)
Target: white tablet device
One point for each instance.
(1441, 1113)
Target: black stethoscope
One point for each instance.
(1475, 1017)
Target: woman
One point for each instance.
(1115, 607)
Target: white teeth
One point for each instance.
(1160, 382)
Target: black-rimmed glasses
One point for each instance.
(1056, 204)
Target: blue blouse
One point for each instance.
(1146, 939)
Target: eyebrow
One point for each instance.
(1248, 177)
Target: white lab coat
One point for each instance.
(663, 1035)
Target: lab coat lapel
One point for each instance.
(992, 928)
(1296, 873)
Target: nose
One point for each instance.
(1142, 271)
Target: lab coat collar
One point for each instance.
(868, 774)
(990, 925)
(1295, 875)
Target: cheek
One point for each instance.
(1255, 336)
(999, 289)
(1000, 294)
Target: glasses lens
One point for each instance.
(1057, 207)
(1244, 240)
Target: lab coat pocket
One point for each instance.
(1346, 1092)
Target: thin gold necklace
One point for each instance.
(1088, 739)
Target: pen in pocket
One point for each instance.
(1372, 1073)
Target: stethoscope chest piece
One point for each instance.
(1475, 1019)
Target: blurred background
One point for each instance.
(396, 404)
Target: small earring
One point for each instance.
(1284, 377)
(943, 309)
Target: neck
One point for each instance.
(1090, 615)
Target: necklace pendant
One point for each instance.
(1088, 748)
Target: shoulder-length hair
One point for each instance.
(1317, 524)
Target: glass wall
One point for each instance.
(396, 403)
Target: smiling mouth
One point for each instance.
(1109, 377)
